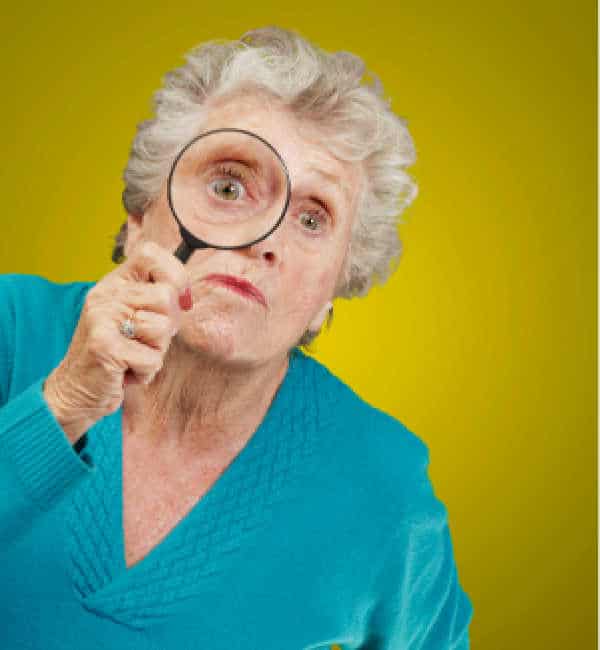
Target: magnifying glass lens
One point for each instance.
(228, 188)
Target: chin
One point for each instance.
(224, 341)
(211, 338)
(230, 335)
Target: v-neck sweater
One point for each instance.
(324, 529)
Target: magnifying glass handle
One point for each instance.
(184, 251)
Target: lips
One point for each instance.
(240, 285)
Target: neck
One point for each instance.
(200, 404)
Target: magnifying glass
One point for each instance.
(227, 189)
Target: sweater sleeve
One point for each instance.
(38, 464)
(421, 604)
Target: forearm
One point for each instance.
(38, 464)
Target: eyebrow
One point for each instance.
(334, 181)
(321, 172)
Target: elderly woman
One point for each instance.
(176, 471)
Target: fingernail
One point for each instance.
(185, 300)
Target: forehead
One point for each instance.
(298, 141)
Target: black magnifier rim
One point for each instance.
(190, 239)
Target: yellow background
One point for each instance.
(484, 341)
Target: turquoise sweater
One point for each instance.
(324, 530)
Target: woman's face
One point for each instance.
(296, 268)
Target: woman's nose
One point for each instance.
(269, 249)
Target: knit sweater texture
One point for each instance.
(324, 529)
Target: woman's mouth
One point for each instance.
(238, 285)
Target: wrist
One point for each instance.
(70, 420)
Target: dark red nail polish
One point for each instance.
(185, 300)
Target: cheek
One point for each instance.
(308, 291)
(163, 226)
(160, 227)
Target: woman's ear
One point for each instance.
(317, 322)
(134, 232)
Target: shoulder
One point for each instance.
(32, 297)
(20, 282)
(37, 321)
(382, 451)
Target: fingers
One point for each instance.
(160, 298)
(152, 263)
(113, 353)
(143, 360)
(153, 329)
(149, 284)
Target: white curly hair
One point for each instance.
(331, 89)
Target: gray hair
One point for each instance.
(328, 88)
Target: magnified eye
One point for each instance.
(230, 183)
(227, 189)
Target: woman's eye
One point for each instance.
(310, 220)
(227, 188)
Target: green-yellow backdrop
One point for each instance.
(484, 341)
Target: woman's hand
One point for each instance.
(89, 382)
